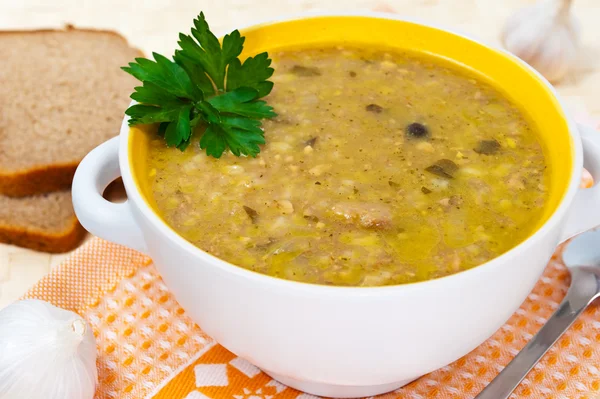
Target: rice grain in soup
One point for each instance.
(381, 168)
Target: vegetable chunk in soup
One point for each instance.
(380, 169)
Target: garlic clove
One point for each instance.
(545, 35)
(45, 353)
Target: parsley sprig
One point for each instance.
(205, 88)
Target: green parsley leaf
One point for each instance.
(217, 137)
(240, 102)
(146, 114)
(250, 125)
(196, 74)
(208, 53)
(178, 132)
(253, 73)
(213, 141)
(210, 113)
(152, 94)
(240, 142)
(206, 89)
(165, 74)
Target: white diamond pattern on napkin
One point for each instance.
(211, 375)
(245, 367)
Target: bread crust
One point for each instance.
(40, 240)
(51, 177)
(69, 28)
(44, 179)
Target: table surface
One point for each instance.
(152, 25)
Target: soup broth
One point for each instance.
(381, 168)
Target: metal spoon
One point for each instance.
(585, 287)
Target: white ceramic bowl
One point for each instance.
(336, 341)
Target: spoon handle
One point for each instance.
(580, 294)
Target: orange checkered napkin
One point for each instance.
(149, 348)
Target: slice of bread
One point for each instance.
(63, 93)
(43, 222)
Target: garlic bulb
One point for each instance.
(545, 35)
(45, 353)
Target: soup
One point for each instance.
(381, 168)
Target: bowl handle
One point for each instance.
(585, 210)
(105, 219)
